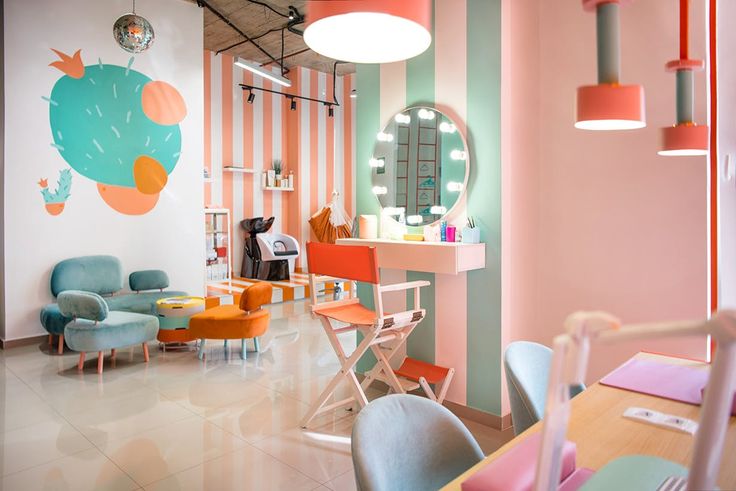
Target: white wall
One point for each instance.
(170, 237)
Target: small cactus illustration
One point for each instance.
(55, 200)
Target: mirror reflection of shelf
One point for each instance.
(269, 188)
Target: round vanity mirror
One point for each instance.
(420, 166)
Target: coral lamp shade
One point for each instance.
(369, 31)
(610, 107)
(684, 140)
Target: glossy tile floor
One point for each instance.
(178, 423)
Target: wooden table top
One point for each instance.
(602, 434)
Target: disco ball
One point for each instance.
(133, 33)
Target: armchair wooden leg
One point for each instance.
(80, 365)
(145, 352)
(257, 344)
(112, 353)
(51, 339)
(100, 360)
(243, 353)
(61, 344)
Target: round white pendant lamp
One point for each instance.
(369, 31)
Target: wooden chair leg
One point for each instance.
(61, 344)
(243, 352)
(145, 352)
(80, 365)
(257, 344)
(100, 360)
(51, 339)
(112, 353)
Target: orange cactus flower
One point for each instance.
(44, 183)
(71, 65)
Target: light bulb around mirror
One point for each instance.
(393, 211)
(402, 118)
(446, 127)
(384, 137)
(454, 187)
(458, 155)
(426, 114)
(379, 190)
(438, 210)
(377, 163)
(414, 219)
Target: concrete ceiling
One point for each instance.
(256, 20)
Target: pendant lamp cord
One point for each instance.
(133, 7)
(684, 29)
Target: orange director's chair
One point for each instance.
(328, 262)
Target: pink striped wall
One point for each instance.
(319, 150)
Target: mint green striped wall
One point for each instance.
(367, 126)
(484, 202)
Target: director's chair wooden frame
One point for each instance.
(329, 262)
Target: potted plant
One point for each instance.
(277, 167)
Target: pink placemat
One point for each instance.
(675, 382)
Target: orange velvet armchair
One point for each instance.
(246, 320)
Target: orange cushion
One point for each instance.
(229, 322)
(413, 369)
(351, 314)
(256, 295)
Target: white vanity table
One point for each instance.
(427, 257)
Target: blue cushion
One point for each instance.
(152, 279)
(98, 274)
(142, 303)
(408, 442)
(53, 320)
(84, 305)
(120, 329)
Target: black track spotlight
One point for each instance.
(293, 104)
(251, 97)
(330, 111)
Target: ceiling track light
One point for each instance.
(251, 97)
(292, 97)
(684, 138)
(263, 72)
(609, 105)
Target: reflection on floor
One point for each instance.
(178, 423)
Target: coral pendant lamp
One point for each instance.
(609, 105)
(684, 138)
(369, 31)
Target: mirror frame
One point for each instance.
(463, 138)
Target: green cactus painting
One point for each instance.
(117, 127)
(56, 200)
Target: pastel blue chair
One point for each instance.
(403, 442)
(95, 328)
(527, 367)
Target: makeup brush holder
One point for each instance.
(471, 235)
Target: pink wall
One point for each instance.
(727, 150)
(599, 220)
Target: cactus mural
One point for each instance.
(118, 127)
(55, 200)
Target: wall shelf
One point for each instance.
(235, 168)
(269, 188)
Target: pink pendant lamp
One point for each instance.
(609, 105)
(685, 138)
(369, 31)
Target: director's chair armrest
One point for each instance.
(409, 285)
